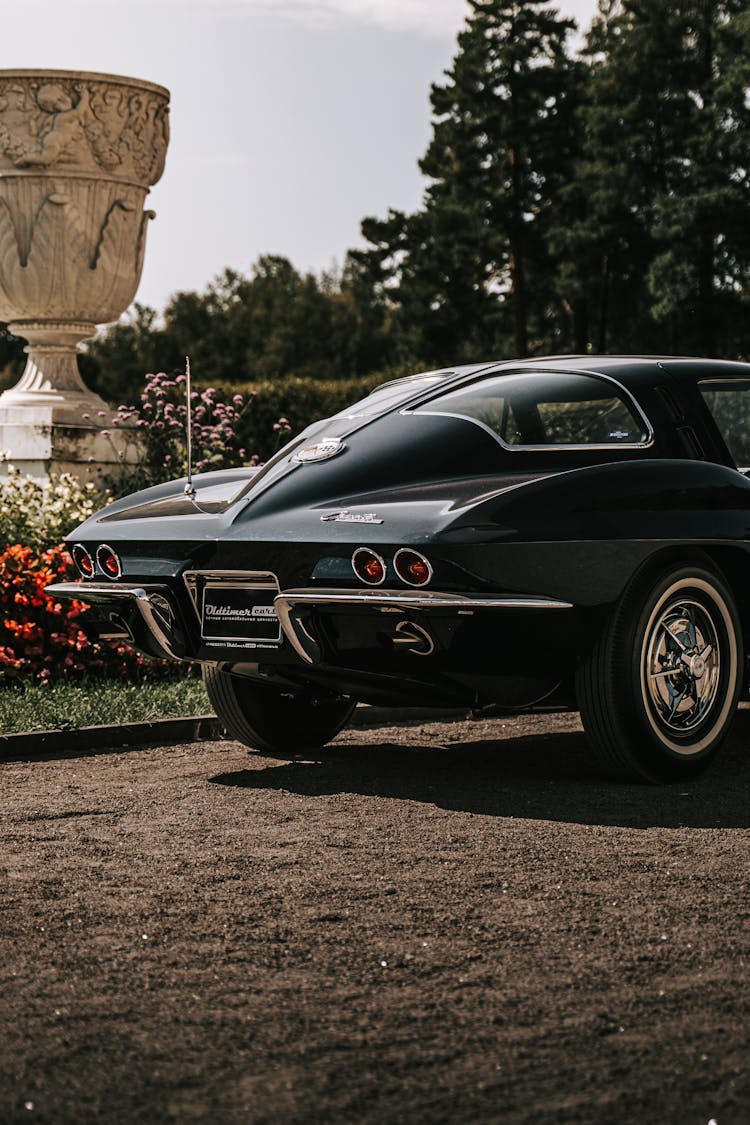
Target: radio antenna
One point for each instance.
(189, 490)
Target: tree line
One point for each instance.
(598, 201)
(577, 200)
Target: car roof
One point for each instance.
(687, 365)
(631, 370)
(634, 372)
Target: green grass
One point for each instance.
(63, 706)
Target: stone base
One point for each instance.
(38, 444)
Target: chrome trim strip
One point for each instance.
(389, 602)
(82, 592)
(78, 590)
(426, 600)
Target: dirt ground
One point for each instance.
(441, 922)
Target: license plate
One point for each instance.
(237, 613)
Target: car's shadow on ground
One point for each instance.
(540, 777)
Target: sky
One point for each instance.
(291, 120)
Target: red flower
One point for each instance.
(41, 638)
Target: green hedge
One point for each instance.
(300, 401)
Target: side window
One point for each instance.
(729, 403)
(542, 409)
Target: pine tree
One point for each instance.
(702, 217)
(657, 245)
(632, 112)
(472, 265)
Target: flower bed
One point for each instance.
(43, 639)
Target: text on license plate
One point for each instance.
(239, 613)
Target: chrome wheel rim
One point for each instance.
(682, 667)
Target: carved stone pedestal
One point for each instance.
(39, 443)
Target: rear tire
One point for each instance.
(660, 689)
(272, 719)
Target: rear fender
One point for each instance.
(583, 535)
(624, 500)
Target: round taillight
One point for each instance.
(109, 563)
(411, 567)
(83, 560)
(368, 566)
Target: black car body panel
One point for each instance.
(530, 546)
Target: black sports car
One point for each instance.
(564, 532)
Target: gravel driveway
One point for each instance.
(437, 922)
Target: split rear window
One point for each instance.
(539, 409)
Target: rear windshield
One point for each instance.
(547, 410)
(389, 395)
(729, 403)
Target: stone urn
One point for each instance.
(78, 154)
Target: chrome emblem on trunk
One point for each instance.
(321, 451)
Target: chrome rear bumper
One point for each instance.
(291, 606)
(294, 607)
(107, 593)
